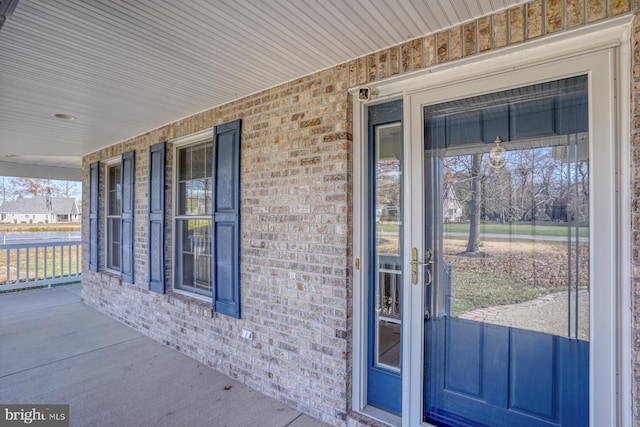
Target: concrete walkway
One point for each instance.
(55, 349)
(548, 314)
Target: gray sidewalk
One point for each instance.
(55, 349)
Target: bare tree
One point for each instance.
(388, 185)
(465, 175)
(16, 188)
(497, 193)
(473, 245)
(68, 189)
(31, 187)
(4, 186)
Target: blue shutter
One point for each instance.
(94, 181)
(156, 218)
(127, 214)
(226, 219)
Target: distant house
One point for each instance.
(452, 209)
(41, 209)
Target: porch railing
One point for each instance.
(28, 265)
(389, 288)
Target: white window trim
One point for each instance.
(178, 143)
(614, 35)
(114, 161)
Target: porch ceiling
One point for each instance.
(125, 67)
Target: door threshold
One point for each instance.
(384, 417)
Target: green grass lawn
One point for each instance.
(498, 228)
(505, 271)
(39, 227)
(471, 292)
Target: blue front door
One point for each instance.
(384, 382)
(506, 329)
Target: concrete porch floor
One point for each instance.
(55, 349)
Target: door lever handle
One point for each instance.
(415, 262)
(428, 256)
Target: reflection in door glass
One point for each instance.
(388, 178)
(515, 208)
(516, 239)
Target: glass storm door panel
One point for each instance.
(507, 310)
(384, 385)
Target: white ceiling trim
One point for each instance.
(124, 68)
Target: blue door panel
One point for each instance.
(573, 362)
(503, 376)
(532, 373)
(496, 378)
(463, 368)
(384, 390)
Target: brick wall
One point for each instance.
(296, 199)
(295, 248)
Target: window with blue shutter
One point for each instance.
(113, 213)
(94, 181)
(225, 260)
(156, 217)
(193, 217)
(127, 216)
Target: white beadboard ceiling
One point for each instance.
(123, 67)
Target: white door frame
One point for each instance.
(602, 51)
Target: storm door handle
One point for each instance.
(415, 262)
